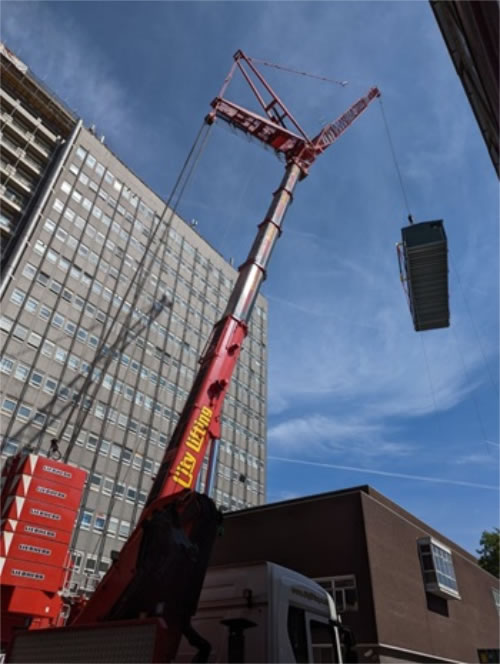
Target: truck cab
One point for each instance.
(262, 612)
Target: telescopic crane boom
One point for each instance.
(160, 570)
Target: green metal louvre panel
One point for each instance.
(426, 262)
(103, 643)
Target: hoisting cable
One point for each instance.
(474, 400)
(474, 326)
(195, 160)
(301, 73)
(184, 178)
(398, 170)
(192, 161)
(410, 219)
(185, 174)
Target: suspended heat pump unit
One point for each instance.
(423, 263)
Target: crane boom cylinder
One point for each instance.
(120, 595)
(253, 270)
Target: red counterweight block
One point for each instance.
(34, 575)
(48, 469)
(40, 502)
(34, 549)
(46, 491)
(16, 600)
(50, 534)
(40, 513)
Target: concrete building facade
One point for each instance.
(408, 593)
(108, 300)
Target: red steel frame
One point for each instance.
(199, 424)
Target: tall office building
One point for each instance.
(107, 304)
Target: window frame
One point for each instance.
(437, 586)
(329, 584)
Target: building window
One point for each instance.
(343, 590)
(86, 519)
(104, 447)
(119, 490)
(36, 379)
(39, 419)
(34, 340)
(20, 332)
(496, 598)
(57, 320)
(112, 525)
(29, 270)
(124, 529)
(77, 557)
(116, 451)
(11, 446)
(100, 522)
(81, 153)
(50, 386)
(95, 481)
(90, 563)
(6, 365)
(8, 405)
(31, 305)
(103, 566)
(437, 568)
(126, 456)
(60, 355)
(17, 296)
(108, 485)
(45, 312)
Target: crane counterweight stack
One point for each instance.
(40, 501)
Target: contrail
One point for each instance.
(386, 473)
(319, 313)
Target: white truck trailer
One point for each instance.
(262, 612)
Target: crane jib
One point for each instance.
(334, 130)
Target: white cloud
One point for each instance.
(476, 458)
(73, 63)
(340, 330)
(346, 437)
(365, 349)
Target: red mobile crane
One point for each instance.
(160, 569)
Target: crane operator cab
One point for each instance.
(262, 612)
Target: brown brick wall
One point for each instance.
(317, 538)
(361, 532)
(403, 615)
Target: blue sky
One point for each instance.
(355, 395)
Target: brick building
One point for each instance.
(407, 592)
